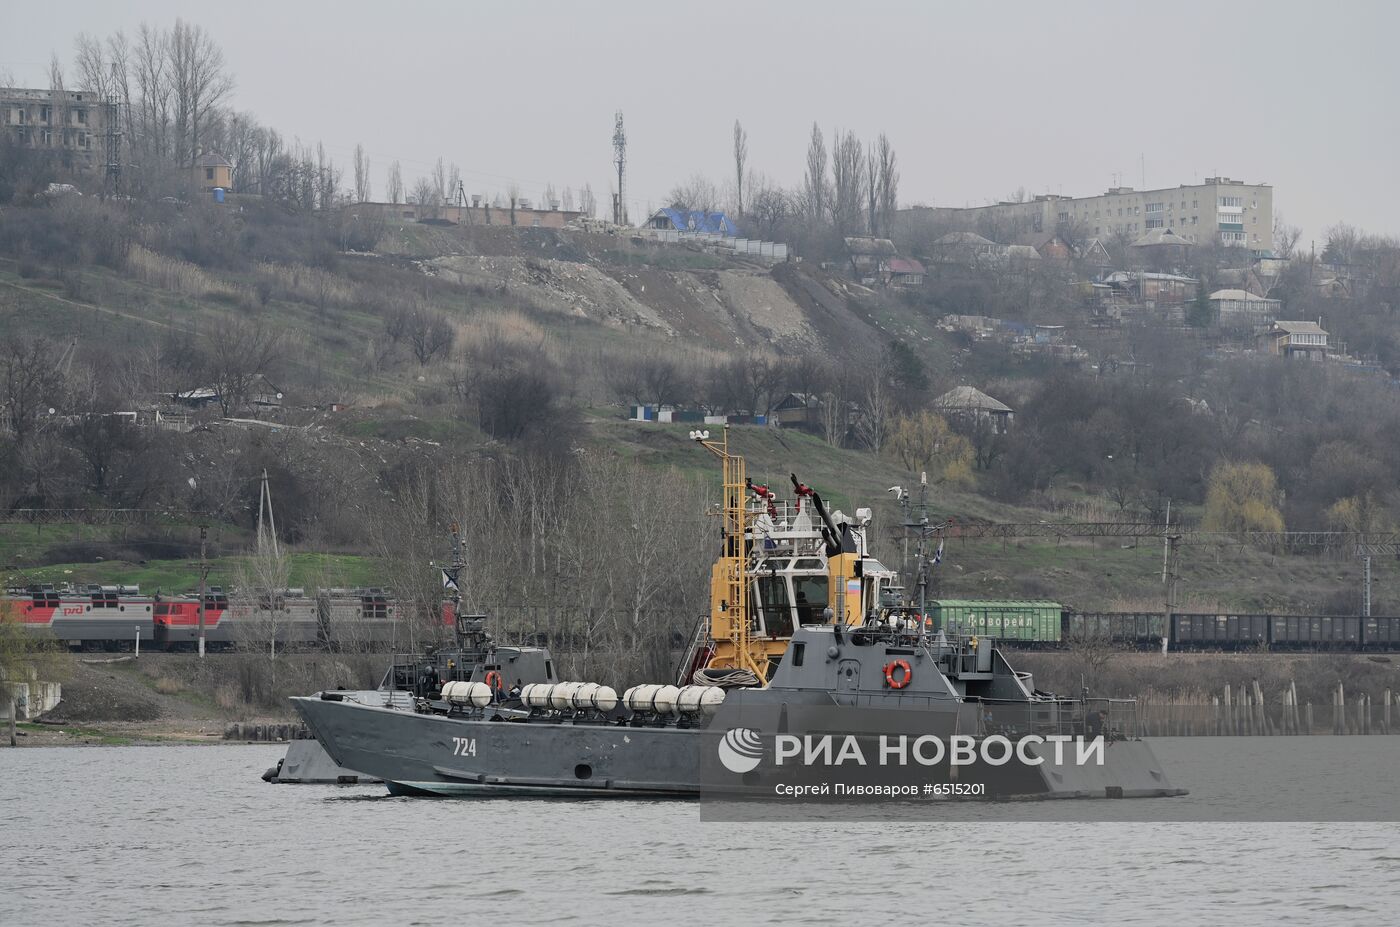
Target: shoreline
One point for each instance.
(118, 734)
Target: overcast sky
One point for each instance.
(978, 98)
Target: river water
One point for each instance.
(188, 835)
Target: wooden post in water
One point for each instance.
(1293, 697)
(1385, 708)
(1229, 712)
(1215, 715)
(1308, 716)
(1287, 709)
(1265, 726)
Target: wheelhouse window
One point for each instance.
(809, 595)
(775, 606)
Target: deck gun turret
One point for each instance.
(843, 560)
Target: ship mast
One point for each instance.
(729, 598)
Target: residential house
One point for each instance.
(972, 406)
(980, 325)
(1093, 254)
(1241, 309)
(692, 220)
(870, 258)
(1023, 257)
(1049, 245)
(906, 272)
(876, 261)
(1305, 340)
(260, 394)
(1151, 290)
(966, 248)
(1161, 247)
(212, 171)
(797, 410)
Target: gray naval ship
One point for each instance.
(500, 722)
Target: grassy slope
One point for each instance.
(117, 311)
(307, 570)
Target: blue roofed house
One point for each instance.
(693, 220)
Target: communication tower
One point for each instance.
(111, 112)
(620, 159)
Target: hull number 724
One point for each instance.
(464, 746)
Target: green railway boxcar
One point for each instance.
(1010, 620)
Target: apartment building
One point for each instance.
(72, 121)
(1221, 210)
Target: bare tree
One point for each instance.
(439, 179)
(362, 188)
(877, 408)
(454, 182)
(30, 385)
(96, 73)
(814, 185)
(769, 207)
(201, 84)
(651, 379)
(395, 189)
(888, 181)
(872, 191)
(848, 182)
(240, 145)
(741, 160)
(1285, 238)
(327, 179)
(697, 193)
(238, 353)
(155, 88)
(424, 193)
(587, 202)
(568, 199)
(59, 97)
(428, 334)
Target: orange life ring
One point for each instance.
(494, 680)
(893, 665)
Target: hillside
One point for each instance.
(403, 353)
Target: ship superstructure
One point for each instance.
(784, 563)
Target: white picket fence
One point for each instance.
(750, 247)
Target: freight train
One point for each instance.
(122, 618)
(1049, 625)
(115, 617)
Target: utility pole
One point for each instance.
(1170, 576)
(267, 530)
(1366, 591)
(203, 577)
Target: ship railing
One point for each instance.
(783, 513)
(1113, 718)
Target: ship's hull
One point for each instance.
(431, 754)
